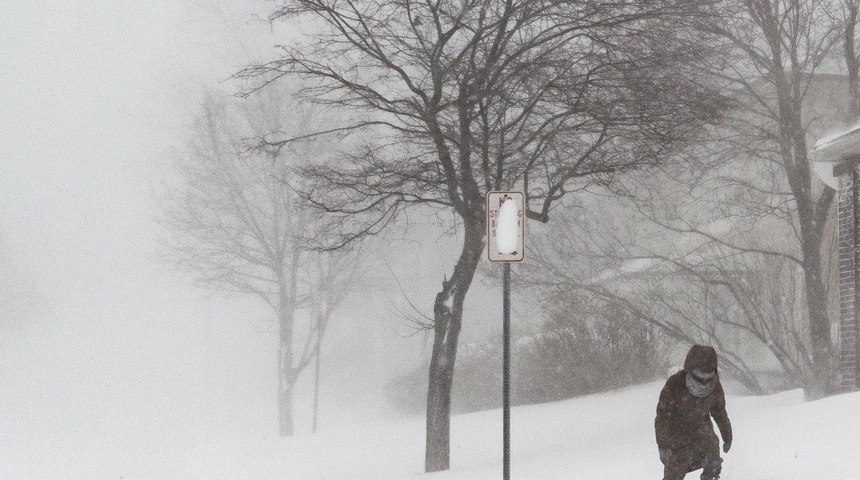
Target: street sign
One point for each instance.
(506, 226)
(506, 233)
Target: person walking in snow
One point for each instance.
(685, 436)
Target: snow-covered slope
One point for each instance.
(605, 436)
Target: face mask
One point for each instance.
(697, 388)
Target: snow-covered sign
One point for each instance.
(506, 226)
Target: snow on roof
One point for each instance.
(636, 265)
(833, 147)
(694, 247)
(834, 135)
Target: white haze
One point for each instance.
(110, 362)
(113, 366)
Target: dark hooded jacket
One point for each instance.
(684, 419)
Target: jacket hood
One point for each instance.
(701, 357)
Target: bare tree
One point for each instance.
(688, 288)
(777, 48)
(467, 97)
(236, 224)
(332, 277)
(851, 54)
(727, 222)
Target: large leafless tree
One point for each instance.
(778, 48)
(747, 204)
(460, 98)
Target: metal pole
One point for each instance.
(506, 371)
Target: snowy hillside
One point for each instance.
(605, 436)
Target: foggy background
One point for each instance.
(109, 359)
(112, 361)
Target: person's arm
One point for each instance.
(721, 417)
(663, 422)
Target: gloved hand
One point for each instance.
(727, 446)
(665, 455)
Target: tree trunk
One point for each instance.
(852, 63)
(811, 220)
(821, 381)
(285, 385)
(448, 316)
(317, 373)
(286, 373)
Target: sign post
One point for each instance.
(506, 221)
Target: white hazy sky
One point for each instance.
(106, 357)
(95, 95)
(95, 98)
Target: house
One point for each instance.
(837, 157)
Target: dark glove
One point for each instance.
(727, 446)
(665, 455)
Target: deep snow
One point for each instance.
(603, 436)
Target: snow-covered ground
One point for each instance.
(604, 436)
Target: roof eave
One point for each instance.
(837, 148)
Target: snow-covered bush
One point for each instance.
(572, 356)
(566, 357)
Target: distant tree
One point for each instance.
(851, 54)
(746, 202)
(753, 179)
(684, 287)
(778, 48)
(236, 224)
(467, 97)
(331, 278)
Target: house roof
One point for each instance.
(833, 149)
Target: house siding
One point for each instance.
(848, 202)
